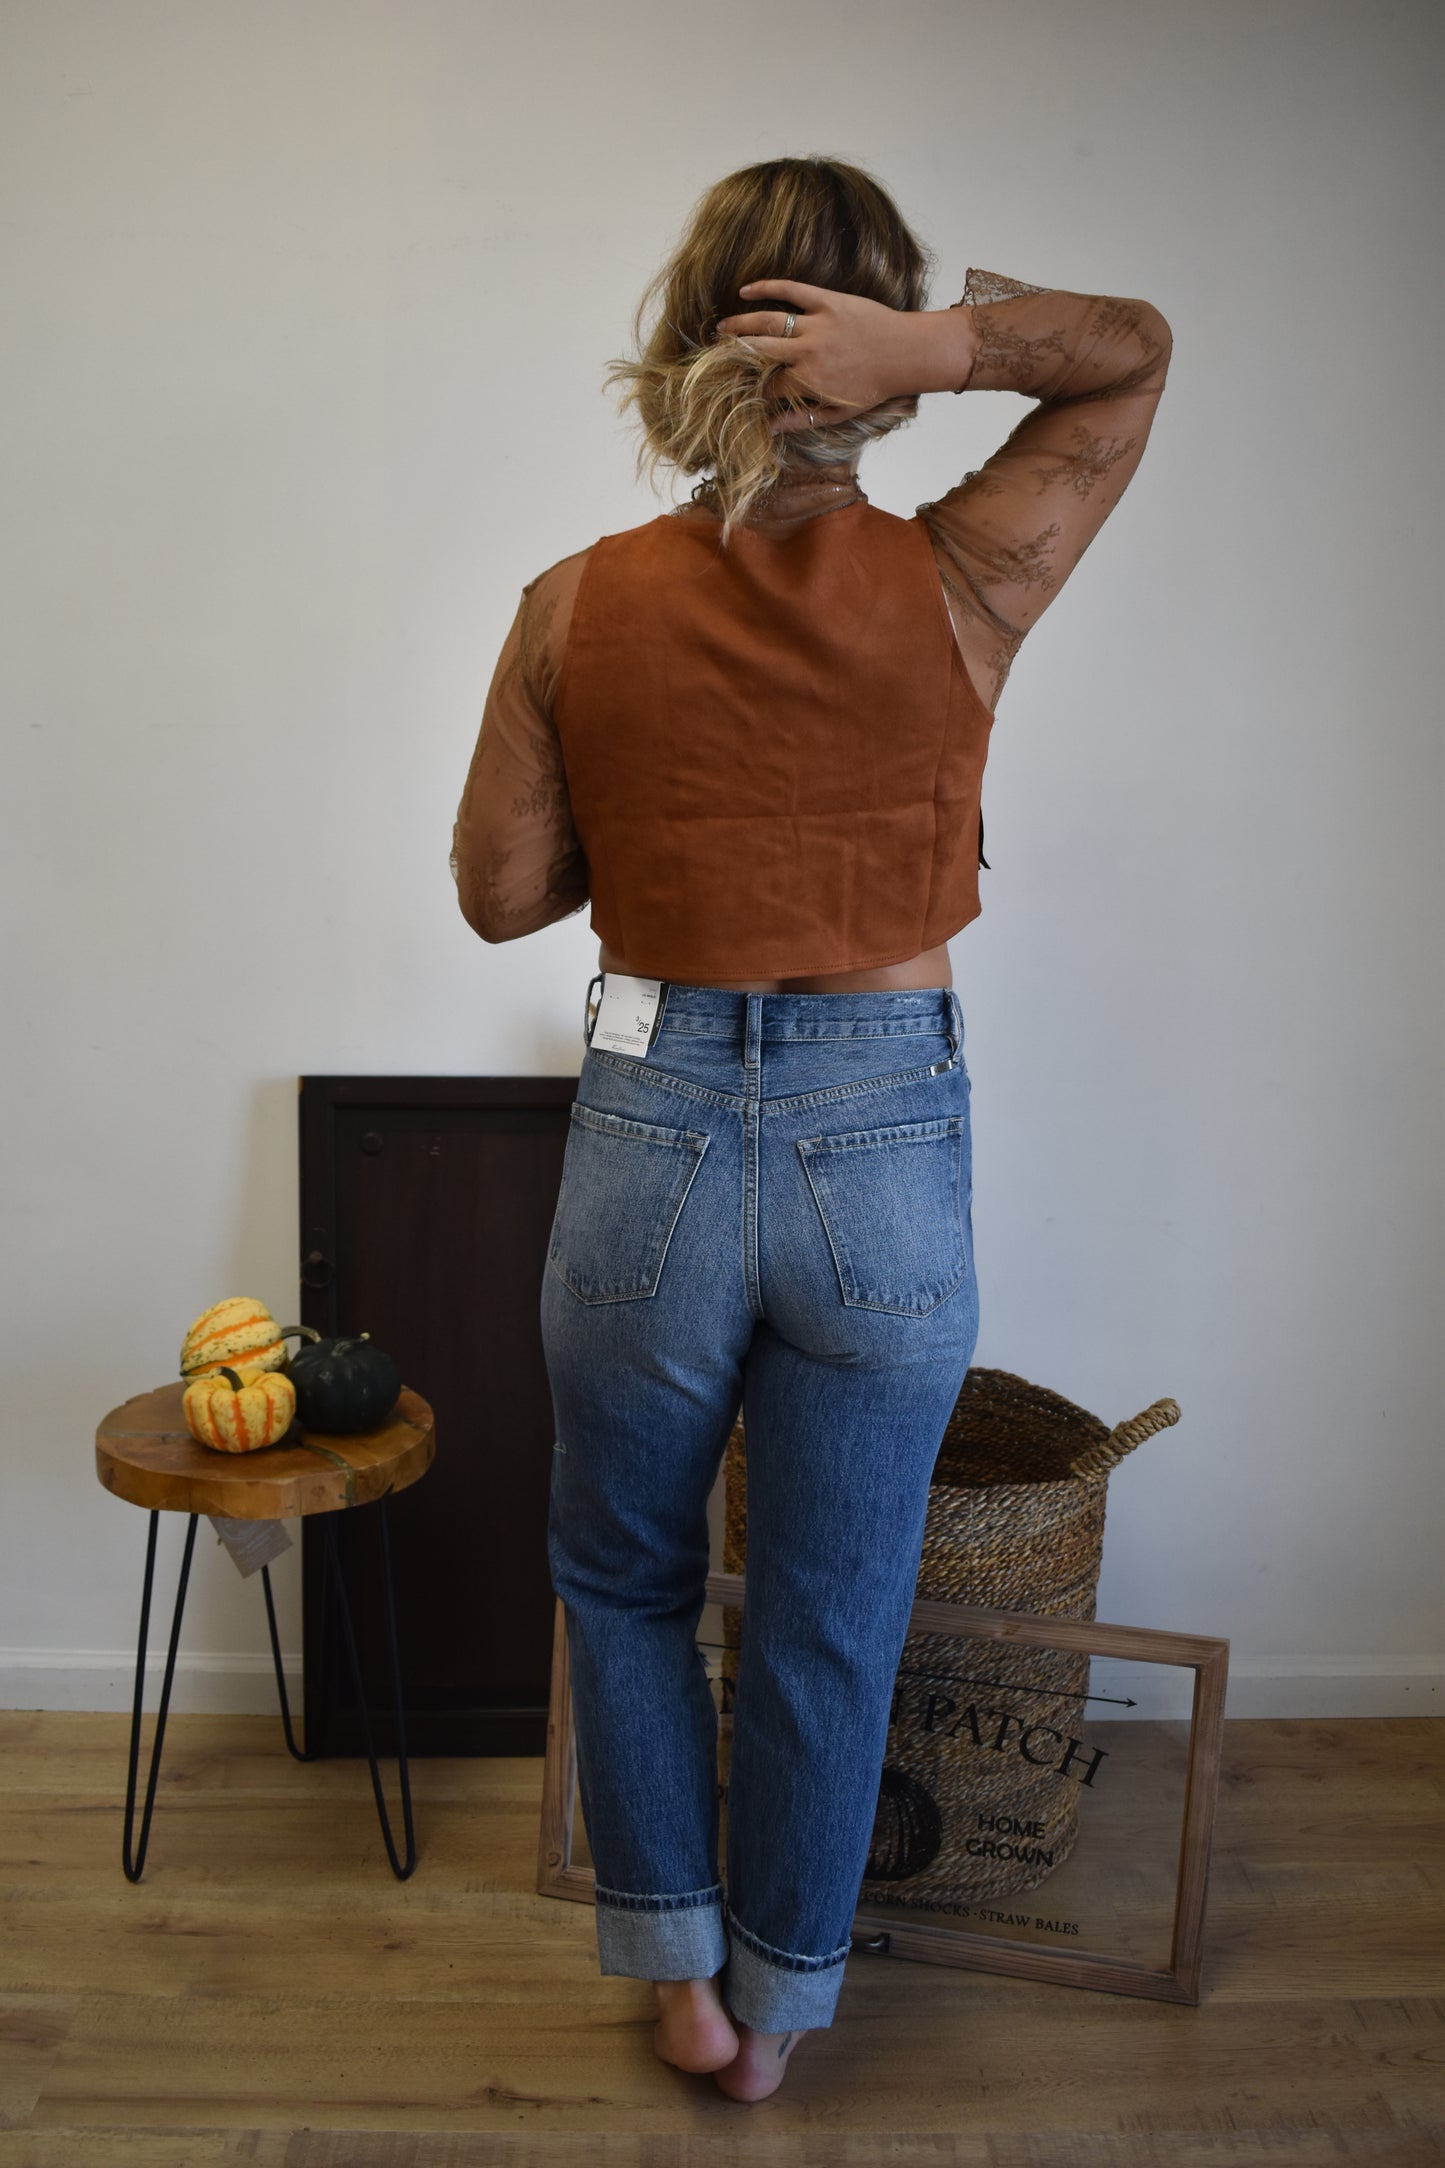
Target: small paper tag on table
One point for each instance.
(250, 1543)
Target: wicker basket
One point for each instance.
(1016, 1522)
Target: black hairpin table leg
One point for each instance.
(331, 1576)
(133, 1867)
(301, 1753)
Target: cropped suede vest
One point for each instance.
(774, 752)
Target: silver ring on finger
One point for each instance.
(788, 322)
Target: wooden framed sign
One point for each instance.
(1046, 1805)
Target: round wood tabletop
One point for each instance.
(144, 1453)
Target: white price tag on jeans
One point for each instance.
(626, 1013)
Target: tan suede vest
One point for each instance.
(774, 752)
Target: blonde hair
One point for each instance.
(706, 405)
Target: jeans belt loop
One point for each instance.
(590, 1008)
(955, 1032)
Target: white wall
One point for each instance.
(307, 307)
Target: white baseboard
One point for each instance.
(104, 1679)
(1335, 1687)
(1332, 1686)
(245, 1685)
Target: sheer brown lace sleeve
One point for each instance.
(1009, 535)
(515, 855)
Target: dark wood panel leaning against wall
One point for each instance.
(425, 1208)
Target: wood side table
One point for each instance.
(145, 1454)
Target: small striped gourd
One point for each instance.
(239, 1330)
(237, 1411)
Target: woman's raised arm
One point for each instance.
(1009, 535)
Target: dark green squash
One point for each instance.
(342, 1386)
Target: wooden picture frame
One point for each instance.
(890, 1934)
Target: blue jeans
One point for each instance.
(771, 1208)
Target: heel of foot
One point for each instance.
(699, 2056)
(759, 2067)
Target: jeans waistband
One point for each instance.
(727, 1013)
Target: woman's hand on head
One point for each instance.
(844, 354)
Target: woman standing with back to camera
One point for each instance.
(752, 731)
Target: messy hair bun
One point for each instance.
(704, 406)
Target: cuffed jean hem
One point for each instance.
(661, 1938)
(775, 1990)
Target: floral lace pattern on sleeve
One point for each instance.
(515, 855)
(982, 286)
(1008, 536)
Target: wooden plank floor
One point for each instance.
(270, 1994)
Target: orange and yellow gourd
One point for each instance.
(239, 1330)
(239, 1410)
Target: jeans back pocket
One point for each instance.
(624, 1184)
(892, 1205)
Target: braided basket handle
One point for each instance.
(1099, 1459)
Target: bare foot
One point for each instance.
(759, 2066)
(693, 2029)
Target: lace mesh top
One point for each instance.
(1004, 540)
